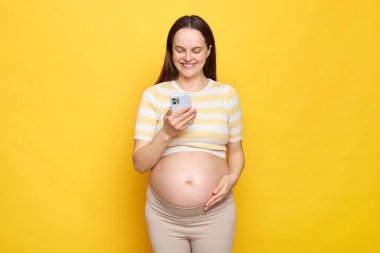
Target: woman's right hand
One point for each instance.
(146, 154)
(175, 123)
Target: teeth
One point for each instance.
(187, 65)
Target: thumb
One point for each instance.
(169, 111)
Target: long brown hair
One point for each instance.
(169, 71)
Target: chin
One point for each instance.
(189, 74)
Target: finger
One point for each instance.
(186, 122)
(167, 114)
(176, 120)
(213, 198)
(182, 110)
(218, 188)
(221, 194)
(185, 114)
(169, 111)
(183, 119)
(217, 193)
(215, 202)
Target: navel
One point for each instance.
(189, 182)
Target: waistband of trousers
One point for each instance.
(160, 205)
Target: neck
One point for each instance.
(192, 84)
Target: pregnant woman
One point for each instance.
(194, 155)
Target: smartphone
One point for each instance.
(179, 101)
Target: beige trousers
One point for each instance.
(190, 230)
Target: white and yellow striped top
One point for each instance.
(218, 120)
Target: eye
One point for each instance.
(179, 50)
(197, 50)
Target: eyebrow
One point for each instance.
(192, 48)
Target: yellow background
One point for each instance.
(71, 77)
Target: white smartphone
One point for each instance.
(179, 101)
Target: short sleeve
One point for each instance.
(146, 120)
(234, 117)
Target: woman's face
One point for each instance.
(189, 52)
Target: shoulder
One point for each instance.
(158, 89)
(224, 88)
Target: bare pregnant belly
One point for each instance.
(187, 179)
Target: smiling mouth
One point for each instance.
(188, 65)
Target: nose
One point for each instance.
(188, 56)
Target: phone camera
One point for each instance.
(175, 101)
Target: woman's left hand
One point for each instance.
(221, 191)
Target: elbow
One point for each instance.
(140, 171)
(138, 166)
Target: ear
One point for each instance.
(209, 50)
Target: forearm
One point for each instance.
(147, 156)
(236, 163)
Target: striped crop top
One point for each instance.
(218, 120)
